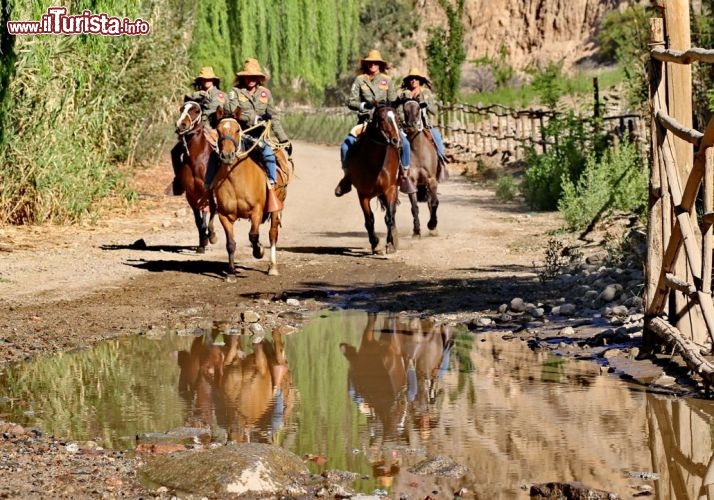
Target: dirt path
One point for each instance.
(63, 288)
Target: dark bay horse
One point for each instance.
(373, 164)
(423, 169)
(195, 157)
(240, 191)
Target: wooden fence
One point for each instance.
(678, 301)
(497, 130)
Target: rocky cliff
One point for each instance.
(532, 31)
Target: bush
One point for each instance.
(569, 138)
(617, 182)
(506, 188)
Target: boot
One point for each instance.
(406, 185)
(272, 202)
(345, 185)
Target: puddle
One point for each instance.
(375, 395)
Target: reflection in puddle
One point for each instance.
(376, 394)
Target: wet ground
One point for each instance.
(372, 394)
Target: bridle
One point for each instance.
(227, 137)
(412, 129)
(391, 119)
(194, 121)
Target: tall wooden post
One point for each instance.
(679, 96)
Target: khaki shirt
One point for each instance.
(427, 96)
(210, 100)
(253, 106)
(379, 89)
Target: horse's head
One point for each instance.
(190, 117)
(384, 122)
(412, 115)
(229, 140)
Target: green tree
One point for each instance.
(211, 41)
(445, 52)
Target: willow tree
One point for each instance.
(211, 42)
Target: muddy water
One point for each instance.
(376, 394)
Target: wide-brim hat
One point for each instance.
(251, 67)
(374, 56)
(207, 73)
(415, 73)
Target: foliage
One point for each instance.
(548, 84)
(81, 103)
(211, 42)
(503, 74)
(568, 139)
(703, 74)
(623, 37)
(618, 181)
(323, 127)
(390, 22)
(553, 260)
(506, 188)
(446, 53)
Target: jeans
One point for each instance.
(438, 140)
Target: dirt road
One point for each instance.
(63, 288)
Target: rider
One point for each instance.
(418, 87)
(256, 106)
(370, 87)
(209, 95)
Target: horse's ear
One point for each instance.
(219, 113)
(236, 113)
(187, 98)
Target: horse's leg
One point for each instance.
(200, 220)
(369, 222)
(273, 236)
(415, 214)
(254, 234)
(433, 201)
(390, 209)
(230, 243)
(212, 238)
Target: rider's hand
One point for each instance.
(367, 105)
(288, 147)
(266, 116)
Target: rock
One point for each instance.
(517, 305)
(610, 293)
(257, 330)
(567, 331)
(573, 491)
(250, 316)
(285, 330)
(247, 470)
(292, 302)
(502, 308)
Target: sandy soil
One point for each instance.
(63, 288)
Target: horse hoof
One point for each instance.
(230, 278)
(416, 234)
(390, 249)
(431, 226)
(258, 253)
(201, 249)
(273, 271)
(377, 251)
(434, 232)
(212, 238)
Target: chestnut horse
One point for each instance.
(373, 164)
(240, 191)
(423, 169)
(197, 153)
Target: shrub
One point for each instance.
(506, 188)
(616, 182)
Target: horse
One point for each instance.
(240, 191)
(195, 157)
(423, 169)
(373, 165)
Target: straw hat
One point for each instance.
(207, 73)
(374, 56)
(251, 67)
(415, 73)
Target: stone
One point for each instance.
(250, 316)
(517, 305)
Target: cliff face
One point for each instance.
(533, 31)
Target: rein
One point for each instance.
(237, 143)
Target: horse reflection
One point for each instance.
(393, 377)
(246, 390)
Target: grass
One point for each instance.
(580, 83)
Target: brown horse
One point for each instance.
(423, 169)
(240, 191)
(195, 157)
(373, 164)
